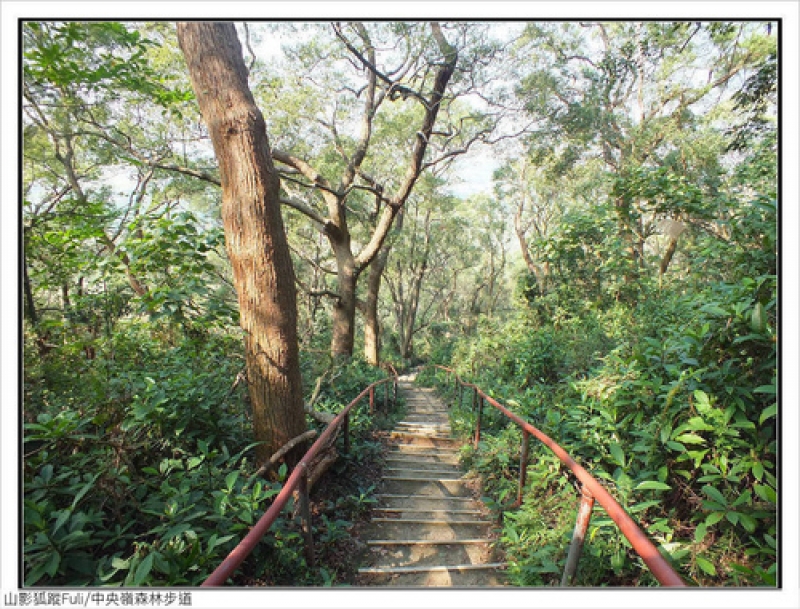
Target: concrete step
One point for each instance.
(444, 577)
(412, 458)
(405, 513)
(439, 520)
(435, 470)
(419, 433)
(423, 426)
(423, 441)
(429, 554)
(432, 568)
(437, 481)
(425, 542)
(427, 529)
(419, 530)
(404, 448)
(391, 500)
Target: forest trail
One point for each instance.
(428, 528)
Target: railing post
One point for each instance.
(474, 398)
(478, 423)
(394, 391)
(576, 546)
(372, 399)
(523, 465)
(386, 397)
(346, 433)
(305, 516)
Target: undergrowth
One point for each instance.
(138, 470)
(677, 420)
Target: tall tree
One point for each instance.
(254, 231)
(352, 174)
(634, 96)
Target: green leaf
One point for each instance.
(698, 424)
(84, 490)
(653, 485)
(715, 495)
(230, 480)
(691, 438)
(143, 570)
(769, 411)
(770, 389)
(705, 565)
(715, 310)
(714, 518)
(758, 470)
(748, 522)
(767, 493)
(62, 518)
(701, 401)
(219, 542)
(120, 564)
(758, 318)
(51, 566)
(700, 532)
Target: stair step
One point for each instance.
(415, 479)
(422, 497)
(426, 530)
(422, 463)
(446, 458)
(438, 579)
(422, 569)
(430, 511)
(424, 542)
(411, 434)
(397, 471)
(431, 522)
(391, 528)
(410, 450)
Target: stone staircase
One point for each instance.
(427, 529)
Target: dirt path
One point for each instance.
(427, 529)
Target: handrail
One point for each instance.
(297, 481)
(658, 565)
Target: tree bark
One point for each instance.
(344, 308)
(30, 305)
(372, 326)
(254, 233)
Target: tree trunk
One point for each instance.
(667, 259)
(349, 265)
(254, 231)
(344, 307)
(372, 328)
(30, 306)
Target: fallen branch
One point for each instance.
(320, 417)
(264, 469)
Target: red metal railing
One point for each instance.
(298, 481)
(591, 490)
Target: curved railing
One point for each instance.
(591, 490)
(298, 481)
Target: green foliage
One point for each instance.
(93, 58)
(658, 374)
(670, 402)
(149, 481)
